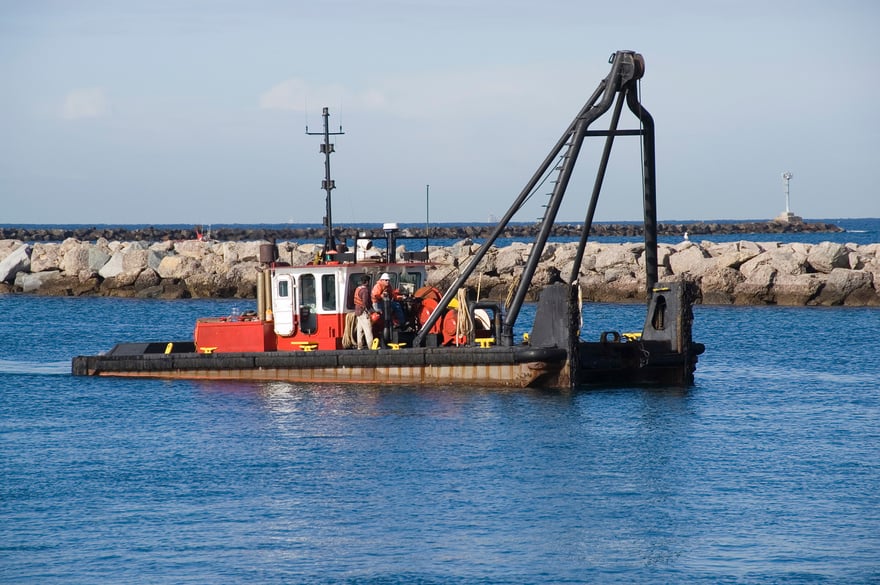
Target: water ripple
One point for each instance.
(40, 368)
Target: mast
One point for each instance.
(327, 184)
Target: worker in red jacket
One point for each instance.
(382, 294)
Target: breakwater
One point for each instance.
(742, 272)
(457, 232)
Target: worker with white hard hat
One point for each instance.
(383, 293)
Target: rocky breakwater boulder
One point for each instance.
(610, 273)
(182, 269)
(15, 258)
(749, 273)
(742, 272)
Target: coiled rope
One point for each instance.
(464, 325)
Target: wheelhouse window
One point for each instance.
(308, 296)
(328, 292)
(410, 282)
(283, 288)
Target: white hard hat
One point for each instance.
(385, 276)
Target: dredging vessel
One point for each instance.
(302, 330)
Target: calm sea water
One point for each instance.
(766, 471)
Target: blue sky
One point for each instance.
(195, 112)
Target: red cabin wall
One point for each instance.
(328, 334)
(233, 336)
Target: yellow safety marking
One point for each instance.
(305, 345)
(485, 341)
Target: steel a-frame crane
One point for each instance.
(619, 87)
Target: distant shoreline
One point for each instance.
(447, 231)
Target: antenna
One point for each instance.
(427, 219)
(327, 184)
(786, 177)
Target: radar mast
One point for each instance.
(327, 184)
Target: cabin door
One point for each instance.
(283, 303)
